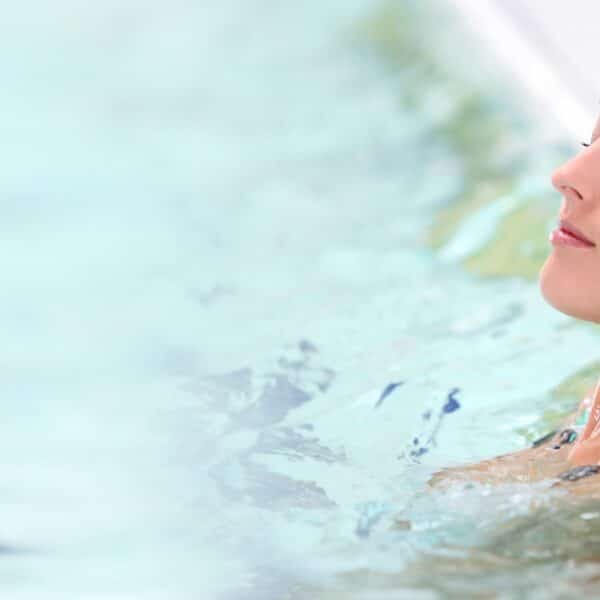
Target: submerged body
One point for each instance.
(570, 454)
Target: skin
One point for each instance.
(570, 282)
(530, 465)
(569, 278)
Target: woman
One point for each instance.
(569, 281)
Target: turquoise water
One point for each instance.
(225, 326)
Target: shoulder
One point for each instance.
(545, 458)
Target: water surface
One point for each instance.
(256, 291)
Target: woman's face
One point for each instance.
(570, 278)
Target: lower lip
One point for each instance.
(559, 237)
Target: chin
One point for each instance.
(563, 287)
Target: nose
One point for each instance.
(565, 183)
(571, 178)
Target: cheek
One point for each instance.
(570, 282)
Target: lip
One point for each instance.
(566, 234)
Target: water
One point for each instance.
(253, 299)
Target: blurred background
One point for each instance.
(267, 266)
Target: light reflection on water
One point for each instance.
(214, 264)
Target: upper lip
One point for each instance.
(574, 231)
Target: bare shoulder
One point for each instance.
(529, 464)
(546, 458)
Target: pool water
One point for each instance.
(267, 267)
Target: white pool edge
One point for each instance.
(553, 103)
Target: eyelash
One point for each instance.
(585, 144)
